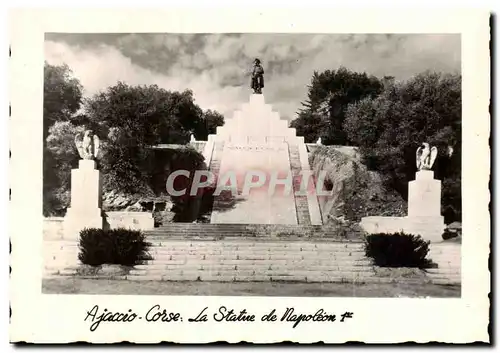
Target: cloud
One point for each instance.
(216, 66)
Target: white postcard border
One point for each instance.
(60, 318)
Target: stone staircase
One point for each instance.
(214, 167)
(59, 255)
(256, 253)
(249, 259)
(301, 202)
(448, 258)
(214, 231)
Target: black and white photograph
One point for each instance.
(234, 167)
(252, 164)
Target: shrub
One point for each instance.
(397, 250)
(116, 246)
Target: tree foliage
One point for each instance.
(61, 100)
(211, 119)
(131, 119)
(329, 94)
(128, 120)
(389, 129)
(62, 95)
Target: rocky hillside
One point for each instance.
(356, 191)
(161, 207)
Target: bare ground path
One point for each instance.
(104, 286)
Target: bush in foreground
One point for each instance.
(115, 246)
(397, 250)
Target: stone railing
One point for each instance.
(53, 227)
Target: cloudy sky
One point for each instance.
(215, 66)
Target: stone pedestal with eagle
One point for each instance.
(424, 197)
(424, 204)
(86, 189)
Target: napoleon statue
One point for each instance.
(257, 83)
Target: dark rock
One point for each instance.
(147, 205)
(159, 206)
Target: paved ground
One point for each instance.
(103, 286)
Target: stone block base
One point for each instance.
(53, 228)
(378, 224)
(429, 228)
(74, 223)
(129, 220)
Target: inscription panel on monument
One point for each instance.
(267, 203)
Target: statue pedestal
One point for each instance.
(86, 191)
(424, 211)
(424, 195)
(424, 206)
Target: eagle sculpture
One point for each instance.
(318, 141)
(426, 156)
(88, 145)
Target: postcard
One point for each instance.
(194, 176)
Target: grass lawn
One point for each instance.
(72, 285)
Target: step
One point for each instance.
(255, 256)
(245, 266)
(446, 281)
(194, 250)
(448, 262)
(239, 278)
(444, 255)
(443, 277)
(453, 279)
(255, 242)
(201, 230)
(203, 273)
(242, 226)
(221, 248)
(256, 252)
(446, 259)
(445, 272)
(446, 278)
(283, 262)
(284, 235)
(263, 278)
(158, 252)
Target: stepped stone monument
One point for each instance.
(255, 138)
(86, 189)
(424, 204)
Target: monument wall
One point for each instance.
(256, 139)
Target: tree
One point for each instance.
(310, 125)
(329, 94)
(61, 157)
(133, 118)
(62, 95)
(210, 120)
(128, 120)
(389, 129)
